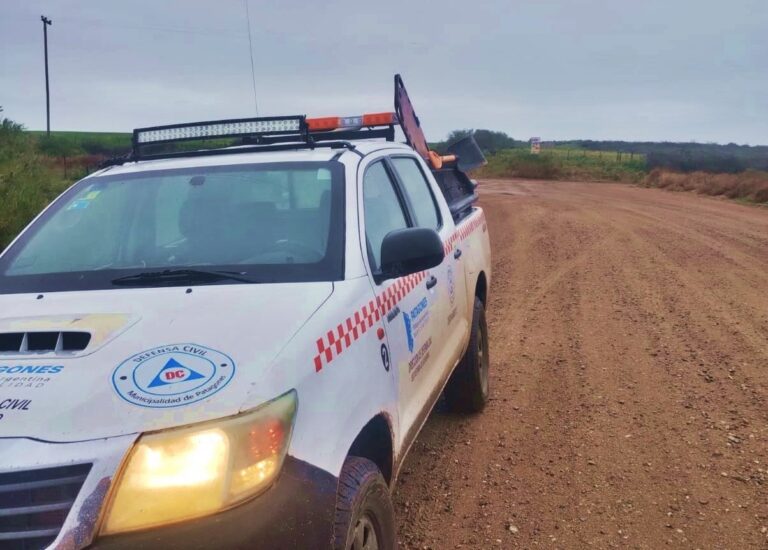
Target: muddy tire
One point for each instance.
(468, 388)
(365, 518)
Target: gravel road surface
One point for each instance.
(629, 348)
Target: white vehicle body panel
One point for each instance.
(250, 324)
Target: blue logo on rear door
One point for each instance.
(408, 330)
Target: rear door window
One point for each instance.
(418, 192)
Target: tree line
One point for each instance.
(681, 157)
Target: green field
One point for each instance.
(565, 164)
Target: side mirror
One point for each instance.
(406, 251)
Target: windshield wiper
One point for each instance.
(180, 276)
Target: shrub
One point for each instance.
(27, 184)
(751, 185)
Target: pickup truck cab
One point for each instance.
(236, 349)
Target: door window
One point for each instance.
(383, 211)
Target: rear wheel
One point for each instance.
(365, 519)
(467, 390)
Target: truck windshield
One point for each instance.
(236, 224)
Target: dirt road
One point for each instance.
(629, 334)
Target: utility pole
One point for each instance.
(46, 22)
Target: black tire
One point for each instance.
(467, 390)
(363, 508)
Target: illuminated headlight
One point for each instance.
(219, 129)
(184, 473)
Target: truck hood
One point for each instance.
(157, 358)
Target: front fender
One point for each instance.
(334, 363)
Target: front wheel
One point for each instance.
(468, 388)
(365, 518)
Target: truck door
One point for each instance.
(408, 304)
(449, 293)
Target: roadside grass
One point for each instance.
(27, 184)
(564, 164)
(750, 186)
(82, 143)
(101, 145)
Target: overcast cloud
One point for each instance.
(674, 70)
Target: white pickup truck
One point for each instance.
(235, 348)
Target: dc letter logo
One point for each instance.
(174, 372)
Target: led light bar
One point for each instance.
(262, 134)
(219, 129)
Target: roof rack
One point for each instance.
(258, 135)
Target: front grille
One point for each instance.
(35, 503)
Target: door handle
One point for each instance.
(431, 282)
(457, 254)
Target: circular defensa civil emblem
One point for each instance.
(173, 375)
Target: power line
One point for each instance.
(219, 32)
(250, 50)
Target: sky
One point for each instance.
(650, 70)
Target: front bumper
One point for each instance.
(296, 512)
